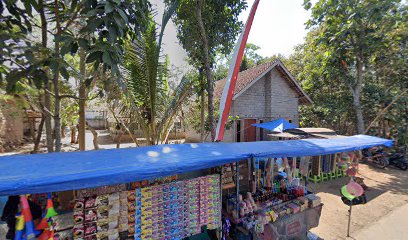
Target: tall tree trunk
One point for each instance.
(82, 96)
(119, 138)
(63, 131)
(202, 116)
(57, 118)
(39, 133)
(207, 69)
(73, 134)
(356, 89)
(47, 97)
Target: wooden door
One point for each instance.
(250, 131)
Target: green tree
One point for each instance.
(384, 90)
(151, 104)
(351, 30)
(100, 28)
(251, 57)
(206, 28)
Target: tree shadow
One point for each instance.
(378, 181)
(389, 179)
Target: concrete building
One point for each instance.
(263, 93)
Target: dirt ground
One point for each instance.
(388, 192)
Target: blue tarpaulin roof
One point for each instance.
(278, 125)
(39, 173)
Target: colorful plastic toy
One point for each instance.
(30, 232)
(50, 208)
(19, 227)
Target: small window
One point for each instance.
(290, 120)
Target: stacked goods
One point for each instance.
(192, 202)
(174, 210)
(157, 213)
(146, 213)
(85, 217)
(123, 214)
(97, 217)
(214, 202)
(313, 200)
(203, 201)
(79, 218)
(131, 214)
(107, 216)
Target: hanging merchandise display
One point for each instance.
(316, 165)
(173, 210)
(304, 166)
(228, 176)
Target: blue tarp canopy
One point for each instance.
(278, 125)
(39, 173)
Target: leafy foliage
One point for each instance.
(251, 57)
(221, 24)
(152, 105)
(352, 32)
(99, 27)
(343, 33)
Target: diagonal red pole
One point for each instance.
(229, 88)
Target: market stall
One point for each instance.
(116, 201)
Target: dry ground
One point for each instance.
(387, 194)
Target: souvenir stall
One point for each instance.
(167, 191)
(276, 202)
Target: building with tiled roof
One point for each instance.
(263, 93)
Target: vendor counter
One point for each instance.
(294, 226)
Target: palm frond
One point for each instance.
(168, 13)
(180, 95)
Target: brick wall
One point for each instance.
(268, 99)
(251, 103)
(284, 101)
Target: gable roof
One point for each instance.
(248, 77)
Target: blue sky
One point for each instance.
(278, 25)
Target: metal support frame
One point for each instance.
(237, 186)
(349, 219)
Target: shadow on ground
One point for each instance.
(380, 181)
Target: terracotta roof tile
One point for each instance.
(244, 78)
(248, 76)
